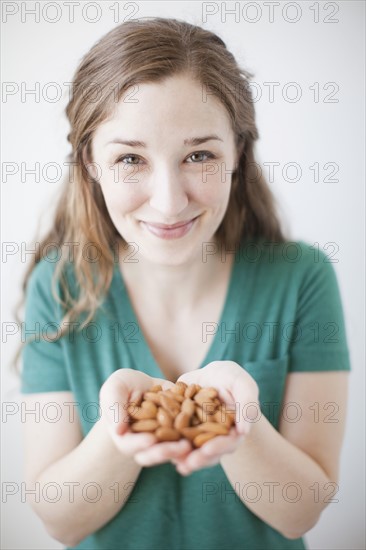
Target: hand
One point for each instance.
(124, 387)
(237, 389)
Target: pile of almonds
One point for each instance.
(183, 411)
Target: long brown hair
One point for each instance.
(141, 51)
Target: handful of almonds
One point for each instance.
(183, 411)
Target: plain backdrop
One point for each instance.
(312, 49)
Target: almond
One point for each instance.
(145, 425)
(174, 395)
(191, 390)
(203, 397)
(152, 396)
(140, 413)
(188, 406)
(151, 407)
(164, 418)
(225, 417)
(208, 407)
(167, 434)
(181, 411)
(179, 387)
(202, 415)
(191, 432)
(181, 421)
(195, 420)
(171, 405)
(200, 439)
(156, 388)
(213, 427)
(211, 392)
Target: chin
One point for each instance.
(170, 253)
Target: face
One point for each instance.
(165, 159)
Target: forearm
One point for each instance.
(284, 477)
(82, 508)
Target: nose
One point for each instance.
(167, 192)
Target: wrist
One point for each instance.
(251, 440)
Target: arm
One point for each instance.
(105, 457)
(57, 453)
(293, 472)
(305, 452)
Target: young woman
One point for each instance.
(165, 262)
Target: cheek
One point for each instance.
(122, 197)
(214, 192)
(127, 195)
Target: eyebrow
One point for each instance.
(190, 141)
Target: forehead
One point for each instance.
(177, 106)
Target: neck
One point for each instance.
(175, 287)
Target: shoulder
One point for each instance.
(316, 266)
(45, 277)
(298, 258)
(291, 269)
(41, 276)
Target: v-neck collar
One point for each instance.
(141, 353)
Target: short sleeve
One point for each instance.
(43, 365)
(319, 341)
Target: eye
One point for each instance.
(130, 156)
(134, 160)
(200, 154)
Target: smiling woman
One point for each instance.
(164, 164)
(168, 183)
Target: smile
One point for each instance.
(174, 231)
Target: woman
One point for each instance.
(168, 263)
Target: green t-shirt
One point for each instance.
(282, 314)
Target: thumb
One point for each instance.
(248, 404)
(114, 399)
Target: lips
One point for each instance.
(172, 231)
(172, 226)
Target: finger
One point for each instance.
(222, 444)
(185, 469)
(163, 452)
(129, 444)
(245, 391)
(195, 459)
(113, 396)
(218, 446)
(124, 387)
(190, 378)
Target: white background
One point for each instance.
(305, 132)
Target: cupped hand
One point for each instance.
(125, 387)
(239, 391)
